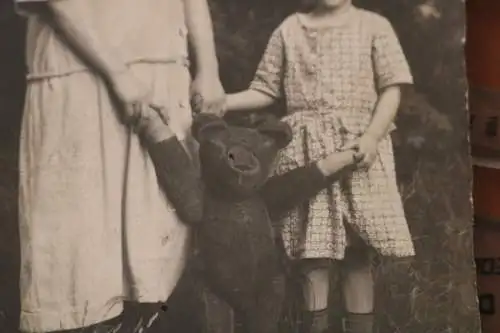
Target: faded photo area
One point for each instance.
(308, 171)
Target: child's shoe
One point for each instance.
(316, 322)
(358, 323)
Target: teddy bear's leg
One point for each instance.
(265, 314)
(256, 310)
(185, 309)
(218, 315)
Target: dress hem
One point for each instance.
(38, 322)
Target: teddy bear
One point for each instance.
(231, 202)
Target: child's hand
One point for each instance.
(367, 147)
(208, 95)
(335, 162)
(221, 111)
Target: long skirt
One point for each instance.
(95, 227)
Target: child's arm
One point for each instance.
(391, 71)
(385, 112)
(383, 116)
(266, 87)
(248, 100)
(284, 192)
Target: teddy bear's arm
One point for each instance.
(284, 192)
(179, 179)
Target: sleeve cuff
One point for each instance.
(396, 81)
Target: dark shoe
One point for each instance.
(358, 323)
(317, 322)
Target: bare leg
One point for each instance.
(316, 292)
(358, 289)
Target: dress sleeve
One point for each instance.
(269, 75)
(390, 63)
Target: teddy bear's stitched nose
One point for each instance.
(241, 159)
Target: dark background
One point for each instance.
(437, 293)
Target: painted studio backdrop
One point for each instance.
(436, 291)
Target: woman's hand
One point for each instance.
(131, 94)
(367, 146)
(208, 95)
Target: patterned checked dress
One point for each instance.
(330, 77)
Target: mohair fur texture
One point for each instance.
(230, 204)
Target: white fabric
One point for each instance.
(139, 31)
(95, 227)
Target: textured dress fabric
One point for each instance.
(330, 77)
(95, 227)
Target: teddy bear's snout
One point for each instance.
(242, 160)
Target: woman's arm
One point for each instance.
(65, 18)
(207, 91)
(201, 37)
(384, 113)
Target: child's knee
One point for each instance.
(317, 283)
(316, 271)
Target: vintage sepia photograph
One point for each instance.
(235, 166)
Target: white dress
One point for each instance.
(95, 227)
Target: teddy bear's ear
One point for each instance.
(279, 131)
(205, 125)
